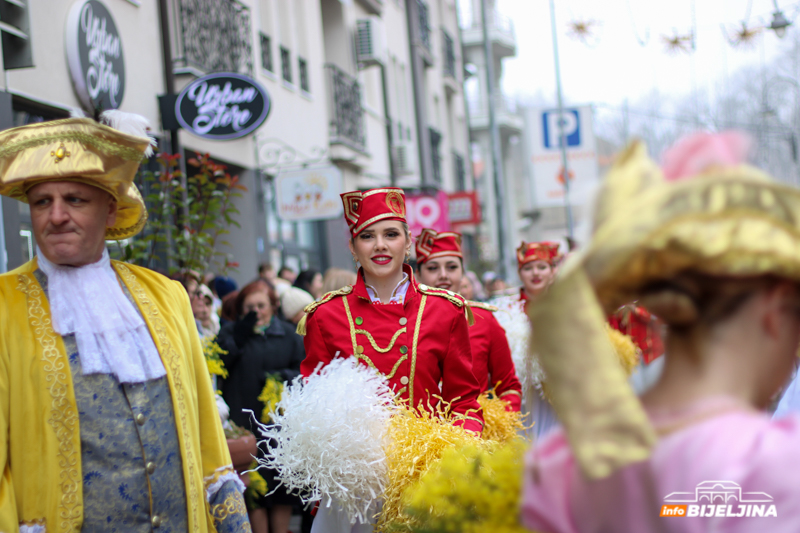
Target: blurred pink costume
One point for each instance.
(734, 446)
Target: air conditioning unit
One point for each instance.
(403, 159)
(370, 41)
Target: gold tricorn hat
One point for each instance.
(728, 220)
(80, 150)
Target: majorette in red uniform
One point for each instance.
(535, 265)
(530, 252)
(418, 341)
(491, 357)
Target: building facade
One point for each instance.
(503, 44)
(369, 88)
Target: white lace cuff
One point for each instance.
(222, 475)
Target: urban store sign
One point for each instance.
(222, 106)
(94, 55)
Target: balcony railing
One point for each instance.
(213, 36)
(449, 55)
(498, 24)
(347, 114)
(480, 106)
(501, 23)
(424, 24)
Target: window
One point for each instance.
(302, 72)
(266, 53)
(460, 172)
(449, 55)
(15, 31)
(286, 64)
(436, 158)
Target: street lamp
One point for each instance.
(779, 21)
(562, 136)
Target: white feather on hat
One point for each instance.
(129, 123)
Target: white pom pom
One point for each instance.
(511, 316)
(129, 123)
(327, 439)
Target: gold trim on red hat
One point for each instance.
(426, 242)
(537, 251)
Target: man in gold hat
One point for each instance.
(106, 406)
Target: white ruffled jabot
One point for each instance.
(111, 335)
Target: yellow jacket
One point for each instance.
(41, 455)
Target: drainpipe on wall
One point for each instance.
(420, 111)
(169, 85)
(169, 75)
(497, 159)
(389, 125)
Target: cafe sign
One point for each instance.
(309, 194)
(222, 106)
(94, 54)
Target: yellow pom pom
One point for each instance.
(212, 352)
(270, 396)
(471, 489)
(257, 483)
(415, 442)
(624, 348)
(499, 424)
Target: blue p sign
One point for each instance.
(569, 121)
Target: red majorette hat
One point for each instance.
(362, 209)
(536, 251)
(431, 245)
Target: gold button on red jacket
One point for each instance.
(417, 345)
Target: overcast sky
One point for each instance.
(617, 66)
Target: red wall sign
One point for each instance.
(464, 208)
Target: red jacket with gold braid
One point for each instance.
(417, 345)
(491, 356)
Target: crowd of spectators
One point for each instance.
(255, 327)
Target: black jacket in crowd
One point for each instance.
(251, 356)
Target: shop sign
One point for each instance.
(427, 211)
(94, 54)
(222, 106)
(464, 208)
(309, 194)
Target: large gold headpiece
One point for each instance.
(80, 150)
(726, 220)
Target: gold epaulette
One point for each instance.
(481, 305)
(454, 298)
(327, 297)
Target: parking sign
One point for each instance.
(543, 136)
(571, 121)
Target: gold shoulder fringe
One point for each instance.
(481, 305)
(454, 298)
(310, 308)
